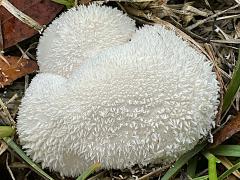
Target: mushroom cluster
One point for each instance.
(112, 94)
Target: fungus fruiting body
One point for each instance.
(79, 34)
(147, 100)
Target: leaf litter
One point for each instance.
(213, 24)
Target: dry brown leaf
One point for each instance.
(14, 31)
(231, 128)
(15, 68)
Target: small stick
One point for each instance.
(5, 110)
(13, 98)
(196, 11)
(210, 17)
(24, 55)
(21, 16)
(9, 169)
(4, 59)
(229, 41)
(228, 17)
(161, 169)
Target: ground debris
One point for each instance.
(13, 67)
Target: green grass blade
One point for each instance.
(6, 131)
(67, 3)
(233, 86)
(191, 168)
(183, 160)
(227, 150)
(212, 165)
(229, 171)
(201, 178)
(19, 151)
(89, 171)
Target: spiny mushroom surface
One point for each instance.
(79, 34)
(148, 100)
(44, 137)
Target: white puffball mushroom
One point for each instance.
(79, 34)
(149, 100)
(42, 135)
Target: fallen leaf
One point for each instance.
(14, 31)
(231, 128)
(12, 68)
